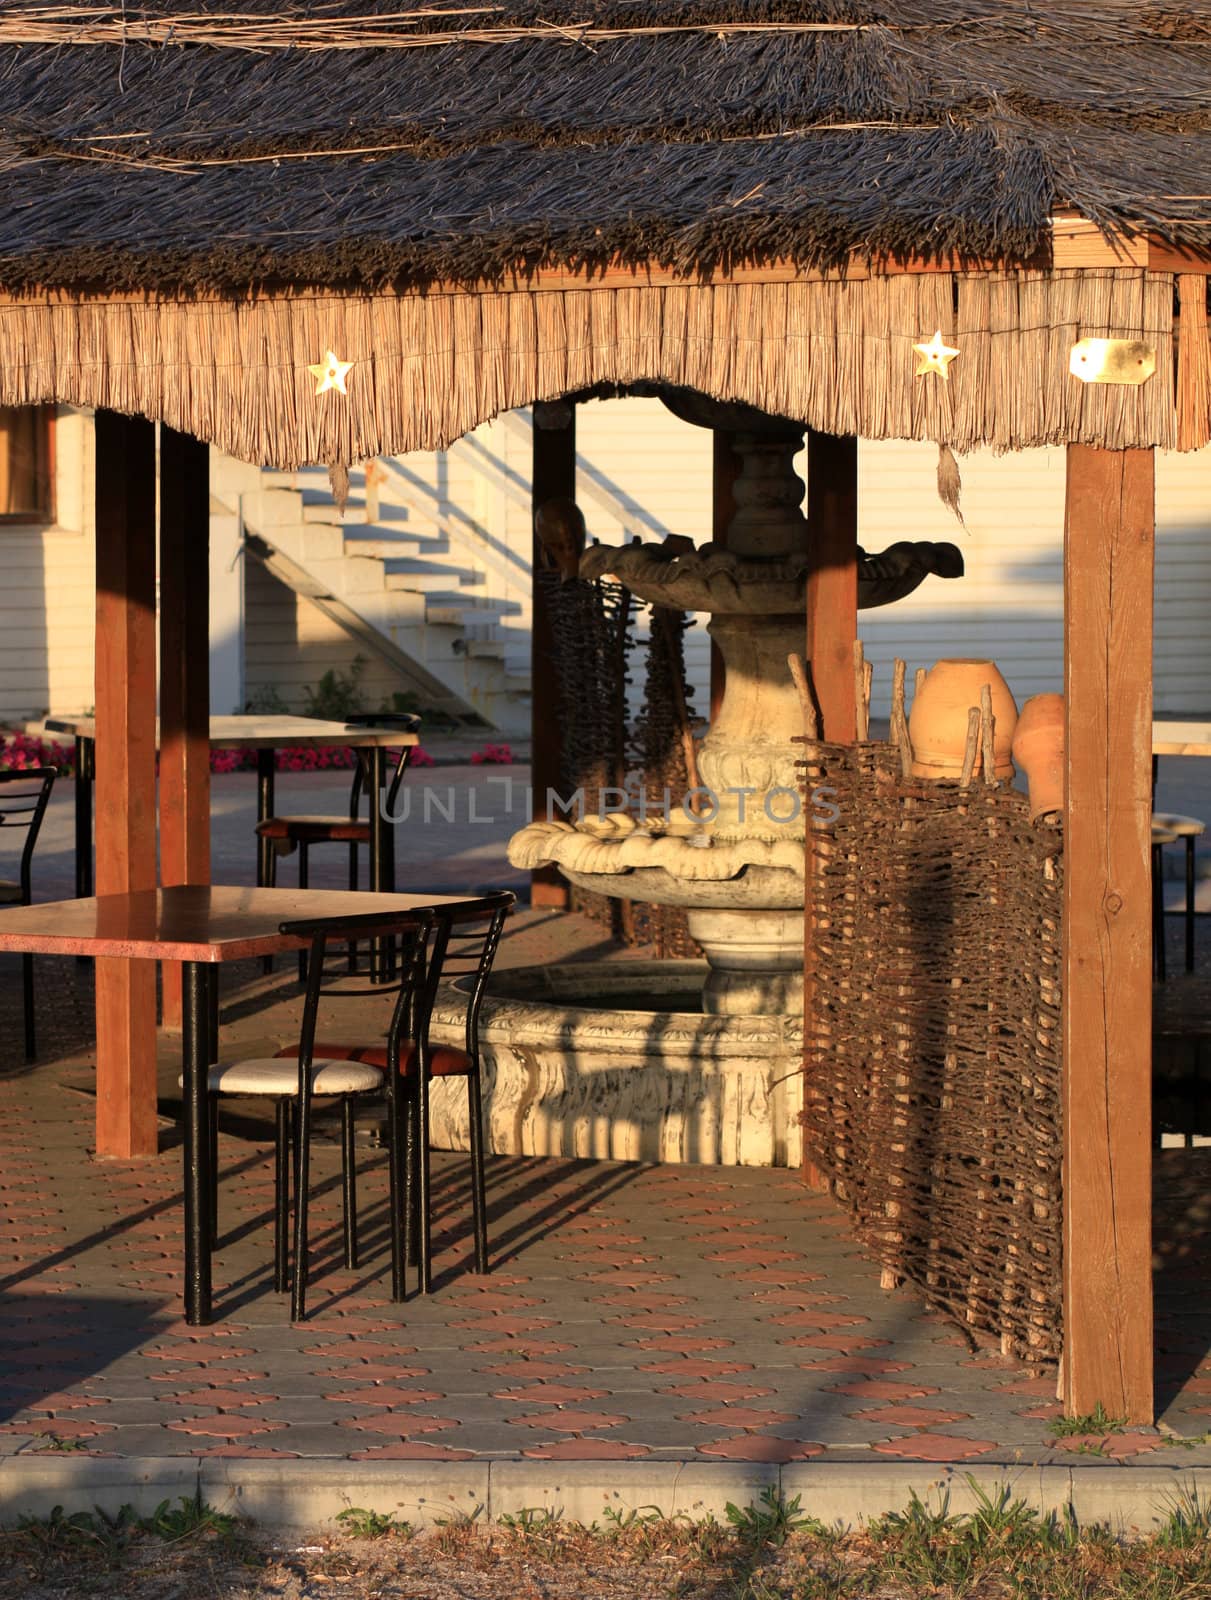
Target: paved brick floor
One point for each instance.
(633, 1311)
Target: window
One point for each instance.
(26, 477)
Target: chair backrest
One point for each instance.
(464, 944)
(23, 800)
(407, 723)
(329, 978)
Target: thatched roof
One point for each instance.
(168, 144)
(481, 203)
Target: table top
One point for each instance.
(264, 733)
(1172, 736)
(204, 923)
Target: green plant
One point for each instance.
(1188, 1525)
(530, 1520)
(190, 1518)
(360, 1523)
(771, 1520)
(53, 1441)
(84, 1533)
(266, 702)
(1095, 1421)
(338, 695)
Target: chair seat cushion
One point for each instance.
(445, 1061)
(315, 830)
(10, 893)
(1163, 835)
(279, 1076)
(1183, 827)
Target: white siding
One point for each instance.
(1010, 603)
(47, 590)
(290, 644)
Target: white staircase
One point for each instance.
(415, 580)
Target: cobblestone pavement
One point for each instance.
(633, 1312)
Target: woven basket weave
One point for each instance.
(933, 1047)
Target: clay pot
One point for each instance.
(1038, 748)
(937, 726)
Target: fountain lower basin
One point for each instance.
(617, 1061)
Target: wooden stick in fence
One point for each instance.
(988, 725)
(918, 680)
(859, 691)
(899, 718)
(972, 746)
(811, 726)
(868, 677)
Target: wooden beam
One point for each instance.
(832, 627)
(553, 477)
(832, 584)
(184, 677)
(1107, 971)
(725, 469)
(125, 693)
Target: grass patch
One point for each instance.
(1095, 1421)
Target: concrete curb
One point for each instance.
(306, 1493)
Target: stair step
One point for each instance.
(370, 542)
(402, 573)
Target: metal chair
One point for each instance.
(288, 833)
(301, 832)
(1189, 830)
(23, 800)
(294, 1076)
(462, 946)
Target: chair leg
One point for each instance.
(301, 1195)
(303, 884)
(268, 872)
(212, 1157)
(399, 1186)
(351, 956)
(479, 1205)
(27, 985)
(1158, 913)
(1189, 902)
(423, 1201)
(281, 1197)
(349, 1174)
(410, 1178)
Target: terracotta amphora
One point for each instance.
(937, 726)
(1038, 748)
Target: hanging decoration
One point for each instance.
(330, 373)
(935, 357)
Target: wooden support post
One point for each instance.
(832, 584)
(1107, 976)
(832, 627)
(553, 478)
(125, 693)
(725, 469)
(184, 677)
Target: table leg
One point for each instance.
(266, 762)
(84, 817)
(195, 1032)
(382, 862)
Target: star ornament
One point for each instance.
(330, 373)
(935, 357)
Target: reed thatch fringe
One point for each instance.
(836, 355)
(1193, 365)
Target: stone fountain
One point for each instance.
(689, 1060)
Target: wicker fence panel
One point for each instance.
(933, 1052)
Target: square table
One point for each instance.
(201, 926)
(266, 735)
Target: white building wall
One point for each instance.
(47, 589)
